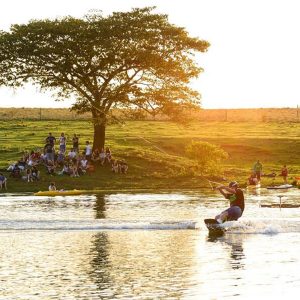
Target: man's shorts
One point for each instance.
(234, 212)
(62, 148)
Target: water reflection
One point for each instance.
(140, 264)
(64, 263)
(100, 265)
(100, 206)
(237, 253)
(236, 250)
(257, 192)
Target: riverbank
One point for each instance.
(155, 153)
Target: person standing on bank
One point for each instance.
(3, 181)
(257, 169)
(237, 202)
(88, 150)
(284, 173)
(51, 140)
(62, 143)
(75, 141)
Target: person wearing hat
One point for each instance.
(237, 203)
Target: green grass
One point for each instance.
(155, 152)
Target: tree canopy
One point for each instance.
(134, 59)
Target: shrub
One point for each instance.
(208, 156)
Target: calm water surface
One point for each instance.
(147, 246)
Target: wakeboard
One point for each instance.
(214, 228)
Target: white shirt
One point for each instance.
(62, 140)
(72, 154)
(84, 163)
(88, 150)
(52, 188)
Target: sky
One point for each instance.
(253, 60)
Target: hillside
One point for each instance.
(155, 151)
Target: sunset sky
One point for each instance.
(253, 60)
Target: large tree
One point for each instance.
(134, 59)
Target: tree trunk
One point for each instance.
(99, 136)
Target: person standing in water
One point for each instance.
(237, 202)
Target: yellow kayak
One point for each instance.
(60, 193)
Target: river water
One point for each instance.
(147, 246)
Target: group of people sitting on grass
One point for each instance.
(60, 162)
(119, 166)
(26, 167)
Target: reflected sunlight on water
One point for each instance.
(108, 247)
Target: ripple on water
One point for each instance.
(130, 259)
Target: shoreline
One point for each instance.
(130, 191)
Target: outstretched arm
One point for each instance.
(221, 190)
(224, 188)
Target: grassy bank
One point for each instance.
(155, 152)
